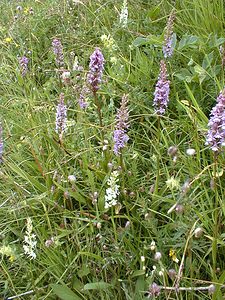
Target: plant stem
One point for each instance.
(216, 222)
(157, 162)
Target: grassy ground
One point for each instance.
(168, 226)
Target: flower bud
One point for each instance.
(198, 232)
(158, 256)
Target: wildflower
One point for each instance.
(65, 77)
(8, 40)
(154, 290)
(1, 144)
(94, 198)
(190, 151)
(108, 42)
(112, 191)
(76, 66)
(185, 187)
(152, 246)
(30, 240)
(173, 183)
(142, 259)
(49, 242)
(96, 67)
(26, 10)
(167, 47)
(172, 254)
(8, 251)
(83, 95)
(120, 137)
(72, 179)
(216, 133)
(124, 14)
(61, 115)
(58, 51)
(23, 62)
(105, 145)
(162, 90)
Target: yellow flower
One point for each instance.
(172, 254)
(8, 40)
(173, 183)
(8, 251)
(12, 258)
(26, 10)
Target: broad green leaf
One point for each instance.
(138, 273)
(64, 293)
(207, 61)
(201, 73)
(140, 41)
(184, 75)
(101, 285)
(150, 40)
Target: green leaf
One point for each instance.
(64, 293)
(101, 285)
(140, 41)
(184, 75)
(138, 273)
(83, 272)
(150, 40)
(188, 41)
(207, 61)
(200, 72)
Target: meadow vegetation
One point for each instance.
(111, 144)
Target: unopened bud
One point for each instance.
(190, 151)
(158, 256)
(172, 273)
(72, 178)
(172, 151)
(198, 232)
(179, 209)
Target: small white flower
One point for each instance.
(72, 178)
(152, 246)
(112, 191)
(158, 256)
(65, 75)
(30, 240)
(190, 151)
(124, 14)
(142, 258)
